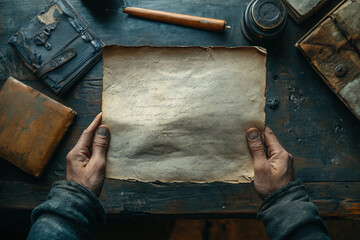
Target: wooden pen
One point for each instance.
(178, 19)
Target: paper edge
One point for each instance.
(243, 179)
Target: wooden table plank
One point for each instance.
(310, 121)
(339, 199)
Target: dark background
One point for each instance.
(311, 122)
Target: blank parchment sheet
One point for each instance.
(180, 114)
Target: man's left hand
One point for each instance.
(87, 160)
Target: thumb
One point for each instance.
(257, 148)
(100, 144)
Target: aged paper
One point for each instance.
(179, 114)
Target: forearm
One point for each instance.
(70, 212)
(288, 214)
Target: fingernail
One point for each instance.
(253, 134)
(102, 131)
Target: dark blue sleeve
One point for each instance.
(70, 212)
(288, 214)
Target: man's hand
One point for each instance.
(86, 161)
(274, 170)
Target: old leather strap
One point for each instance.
(63, 57)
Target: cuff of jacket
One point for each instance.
(286, 210)
(72, 201)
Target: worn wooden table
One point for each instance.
(310, 121)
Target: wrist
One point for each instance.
(72, 201)
(279, 193)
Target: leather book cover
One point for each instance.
(332, 47)
(57, 46)
(31, 126)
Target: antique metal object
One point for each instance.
(340, 70)
(41, 37)
(263, 21)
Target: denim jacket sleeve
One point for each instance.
(288, 214)
(70, 212)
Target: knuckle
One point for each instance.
(257, 146)
(100, 144)
(70, 156)
(101, 165)
(277, 150)
(269, 131)
(284, 155)
(75, 155)
(85, 132)
(291, 162)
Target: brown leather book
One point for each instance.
(31, 126)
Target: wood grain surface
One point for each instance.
(310, 121)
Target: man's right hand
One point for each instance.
(274, 170)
